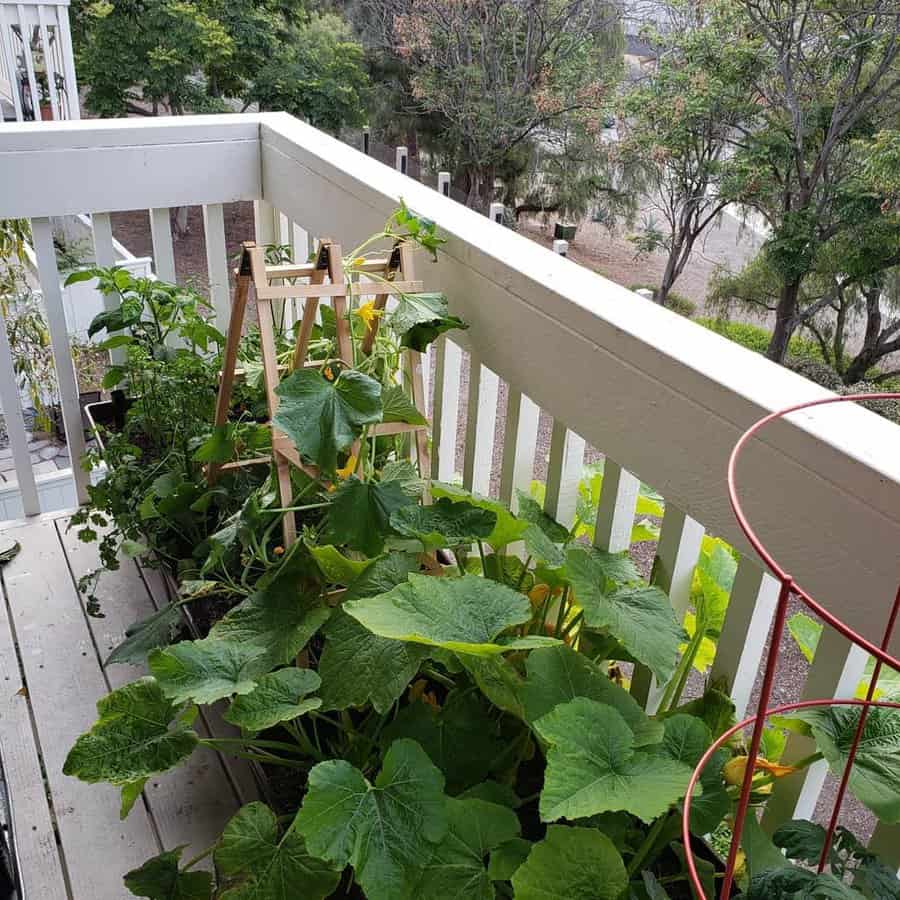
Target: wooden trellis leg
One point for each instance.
(232, 344)
(301, 349)
(269, 354)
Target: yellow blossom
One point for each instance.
(734, 769)
(348, 469)
(368, 313)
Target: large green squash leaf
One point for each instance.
(358, 667)
(277, 620)
(160, 879)
(359, 514)
(593, 767)
(875, 778)
(498, 680)
(420, 318)
(456, 868)
(460, 738)
(258, 865)
(558, 674)
(386, 831)
(639, 616)
(278, 697)
(324, 417)
(686, 740)
(571, 864)
(463, 614)
(444, 524)
(384, 573)
(208, 670)
(508, 528)
(136, 735)
(155, 631)
(337, 568)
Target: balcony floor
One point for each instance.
(69, 839)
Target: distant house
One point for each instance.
(640, 56)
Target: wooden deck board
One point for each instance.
(64, 681)
(49, 644)
(35, 838)
(191, 804)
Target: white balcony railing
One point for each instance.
(661, 396)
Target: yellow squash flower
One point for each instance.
(734, 769)
(368, 313)
(348, 469)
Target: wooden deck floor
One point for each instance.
(69, 838)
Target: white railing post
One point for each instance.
(366, 138)
(163, 252)
(67, 383)
(401, 160)
(481, 421)
(105, 256)
(519, 446)
(443, 184)
(9, 54)
(68, 57)
(217, 263)
(15, 426)
(615, 512)
(496, 213)
(561, 247)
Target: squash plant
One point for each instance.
(440, 680)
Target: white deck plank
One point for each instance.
(41, 868)
(64, 682)
(191, 804)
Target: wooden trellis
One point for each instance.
(313, 282)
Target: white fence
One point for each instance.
(664, 399)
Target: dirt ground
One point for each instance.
(595, 247)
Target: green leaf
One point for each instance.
(257, 865)
(460, 738)
(444, 524)
(456, 868)
(592, 766)
(761, 853)
(219, 446)
(358, 667)
(208, 670)
(559, 674)
(158, 630)
(337, 568)
(507, 858)
(806, 631)
(640, 617)
(114, 375)
(532, 511)
(130, 794)
(875, 777)
(278, 621)
(386, 831)
(508, 528)
(323, 418)
(686, 740)
(136, 735)
(160, 879)
(386, 572)
(278, 697)
(421, 318)
(714, 707)
(799, 884)
(360, 513)
(463, 614)
(398, 407)
(498, 680)
(571, 864)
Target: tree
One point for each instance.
(826, 73)
(140, 56)
(678, 122)
(318, 74)
(496, 73)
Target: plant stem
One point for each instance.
(644, 850)
(459, 564)
(521, 580)
(195, 859)
(483, 560)
(561, 615)
(678, 681)
(250, 742)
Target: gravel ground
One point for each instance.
(610, 255)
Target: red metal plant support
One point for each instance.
(789, 587)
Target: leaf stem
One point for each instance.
(644, 850)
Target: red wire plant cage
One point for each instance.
(789, 588)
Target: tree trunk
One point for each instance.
(785, 322)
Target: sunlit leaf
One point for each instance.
(277, 697)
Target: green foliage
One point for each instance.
(317, 73)
(277, 697)
(420, 318)
(160, 879)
